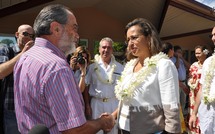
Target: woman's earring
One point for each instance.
(149, 45)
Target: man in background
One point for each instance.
(8, 58)
(102, 76)
(182, 66)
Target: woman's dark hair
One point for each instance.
(166, 47)
(203, 48)
(81, 49)
(148, 30)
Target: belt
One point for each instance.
(104, 99)
(182, 80)
(124, 131)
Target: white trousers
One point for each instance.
(99, 107)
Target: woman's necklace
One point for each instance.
(126, 93)
(209, 75)
(97, 69)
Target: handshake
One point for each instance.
(107, 122)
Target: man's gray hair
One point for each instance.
(47, 15)
(106, 39)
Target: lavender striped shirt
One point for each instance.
(45, 91)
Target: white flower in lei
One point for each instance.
(126, 93)
(209, 75)
(110, 74)
(193, 85)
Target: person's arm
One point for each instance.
(176, 60)
(87, 99)
(184, 87)
(105, 123)
(82, 83)
(192, 120)
(7, 67)
(73, 63)
(169, 94)
(71, 106)
(75, 66)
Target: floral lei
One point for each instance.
(207, 97)
(110, 74)
(193, 85)
(194, 80)
(127, 93)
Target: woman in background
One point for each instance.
(168, 49)
(194, 76)
(79, 62)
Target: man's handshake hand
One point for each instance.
(108, 122)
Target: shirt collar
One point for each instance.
(41, 42)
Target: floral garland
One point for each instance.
(193, 82)
(193, 85)
(209, 75)
(110, 74)
(127, 93)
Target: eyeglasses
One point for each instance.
(132, 38)
(211, 35)
(29, 35)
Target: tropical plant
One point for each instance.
(7, 42)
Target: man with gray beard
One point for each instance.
(46, 91)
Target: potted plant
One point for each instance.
(119, 48)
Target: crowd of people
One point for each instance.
(147, 95)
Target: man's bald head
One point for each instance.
(24, 34)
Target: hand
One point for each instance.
(108, 122)
(28, 45)
(185, 88)
(176, 55)
(180, 55)
(192, 121)
(73, 60)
